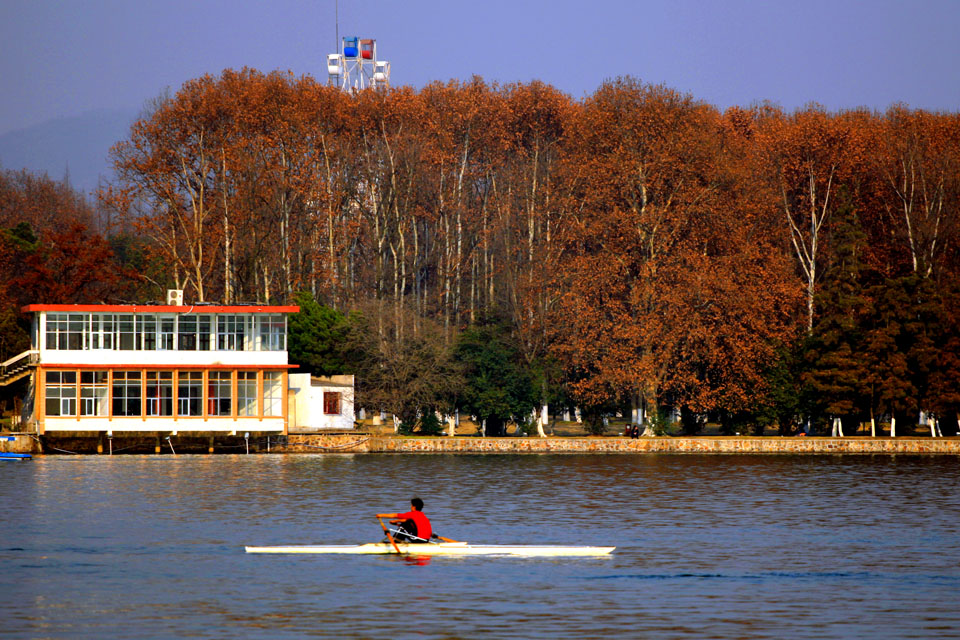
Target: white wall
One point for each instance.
(306, 403)
(153, 424)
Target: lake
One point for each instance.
(707, 546)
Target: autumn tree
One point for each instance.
(807, 156)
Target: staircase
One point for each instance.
(18, 367)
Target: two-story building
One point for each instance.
(159, 368)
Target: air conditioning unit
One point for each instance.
(175, 297)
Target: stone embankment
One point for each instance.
(365, 443)
(358, 443)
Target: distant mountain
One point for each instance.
(79, 144)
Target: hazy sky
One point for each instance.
(60, 58)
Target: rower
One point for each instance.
(414, 526)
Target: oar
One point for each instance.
(445, 539)
(387, 531)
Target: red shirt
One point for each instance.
(424, 530)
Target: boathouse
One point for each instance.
(171, 368)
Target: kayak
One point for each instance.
(440, 549)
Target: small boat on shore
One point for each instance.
(14, 456)
(440, 549)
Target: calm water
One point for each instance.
(708, 547)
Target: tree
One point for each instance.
(806, 156)
(498, 386)
(320, 338)
(672, 287)
(833, 351)
(404, 373)
(918, 161)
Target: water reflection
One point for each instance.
(708, 546)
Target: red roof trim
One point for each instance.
(153, 308)
(52, 365)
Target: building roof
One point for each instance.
(159, 308)
(150, 365)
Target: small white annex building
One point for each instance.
(320, 403)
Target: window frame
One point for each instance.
(272, 395)
(331, 397)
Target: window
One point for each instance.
(108, 324)
(146, 336)
(126, 393)
(94, 394)
(100, 332)
(272, 393)
(53, 329)
(272, 333)
(61, 393)
(331, 403)
(159, 393)
(75, 331)
(165, 338)
(204, 334)
(230, 333)
(246, 393)
(187, 333)
(189, 393)
(219, 393)
(65, 330)
(91, 335)
(126, 335)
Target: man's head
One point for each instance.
(417, 504)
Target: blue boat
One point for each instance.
(14, 456)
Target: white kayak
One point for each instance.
(440, 549)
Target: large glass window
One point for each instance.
(126, 393)
(94, 394)
(273, 332)
(230, 333)
(219, 393)
(190, 393)
(65, 330)
(246, 393)
(272, 393)
(61, 393)
(159, 393)
(187, 333)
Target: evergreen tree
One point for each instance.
(498, 387)
(833, 349)
(320, 338)
(885, 378)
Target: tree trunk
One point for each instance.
(648, 401)
(542, 420)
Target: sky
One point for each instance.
(76, 71)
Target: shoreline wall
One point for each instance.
(363, 443)
(721, 445)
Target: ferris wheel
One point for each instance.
(356, 66)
